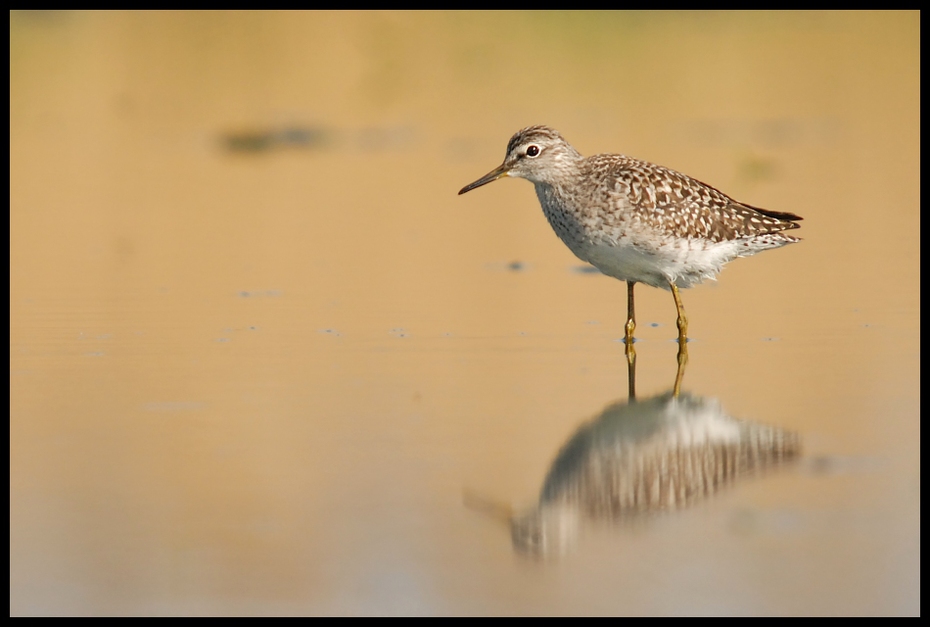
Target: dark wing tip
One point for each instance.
(778, 215)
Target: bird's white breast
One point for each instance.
(685, 263)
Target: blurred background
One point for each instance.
(264, 360)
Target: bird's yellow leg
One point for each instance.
(682, 318)
(631, 370)
(682, 362)
(630, 318)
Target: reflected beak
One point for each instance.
(493, 175)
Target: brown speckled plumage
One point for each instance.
(637, 221)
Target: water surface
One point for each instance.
(263, 360)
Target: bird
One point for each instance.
(637, 221)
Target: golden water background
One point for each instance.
(260, 351)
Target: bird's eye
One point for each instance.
(532, 150)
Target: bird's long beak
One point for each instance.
(493, 175)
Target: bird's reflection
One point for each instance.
(645, 456)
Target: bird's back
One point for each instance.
(638, 221)
(677, 205)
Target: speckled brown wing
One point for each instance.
(680, 206)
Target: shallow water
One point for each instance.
(263, 360)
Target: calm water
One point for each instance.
(263, 360)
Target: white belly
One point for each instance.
(684, 263)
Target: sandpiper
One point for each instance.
(637, 221)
